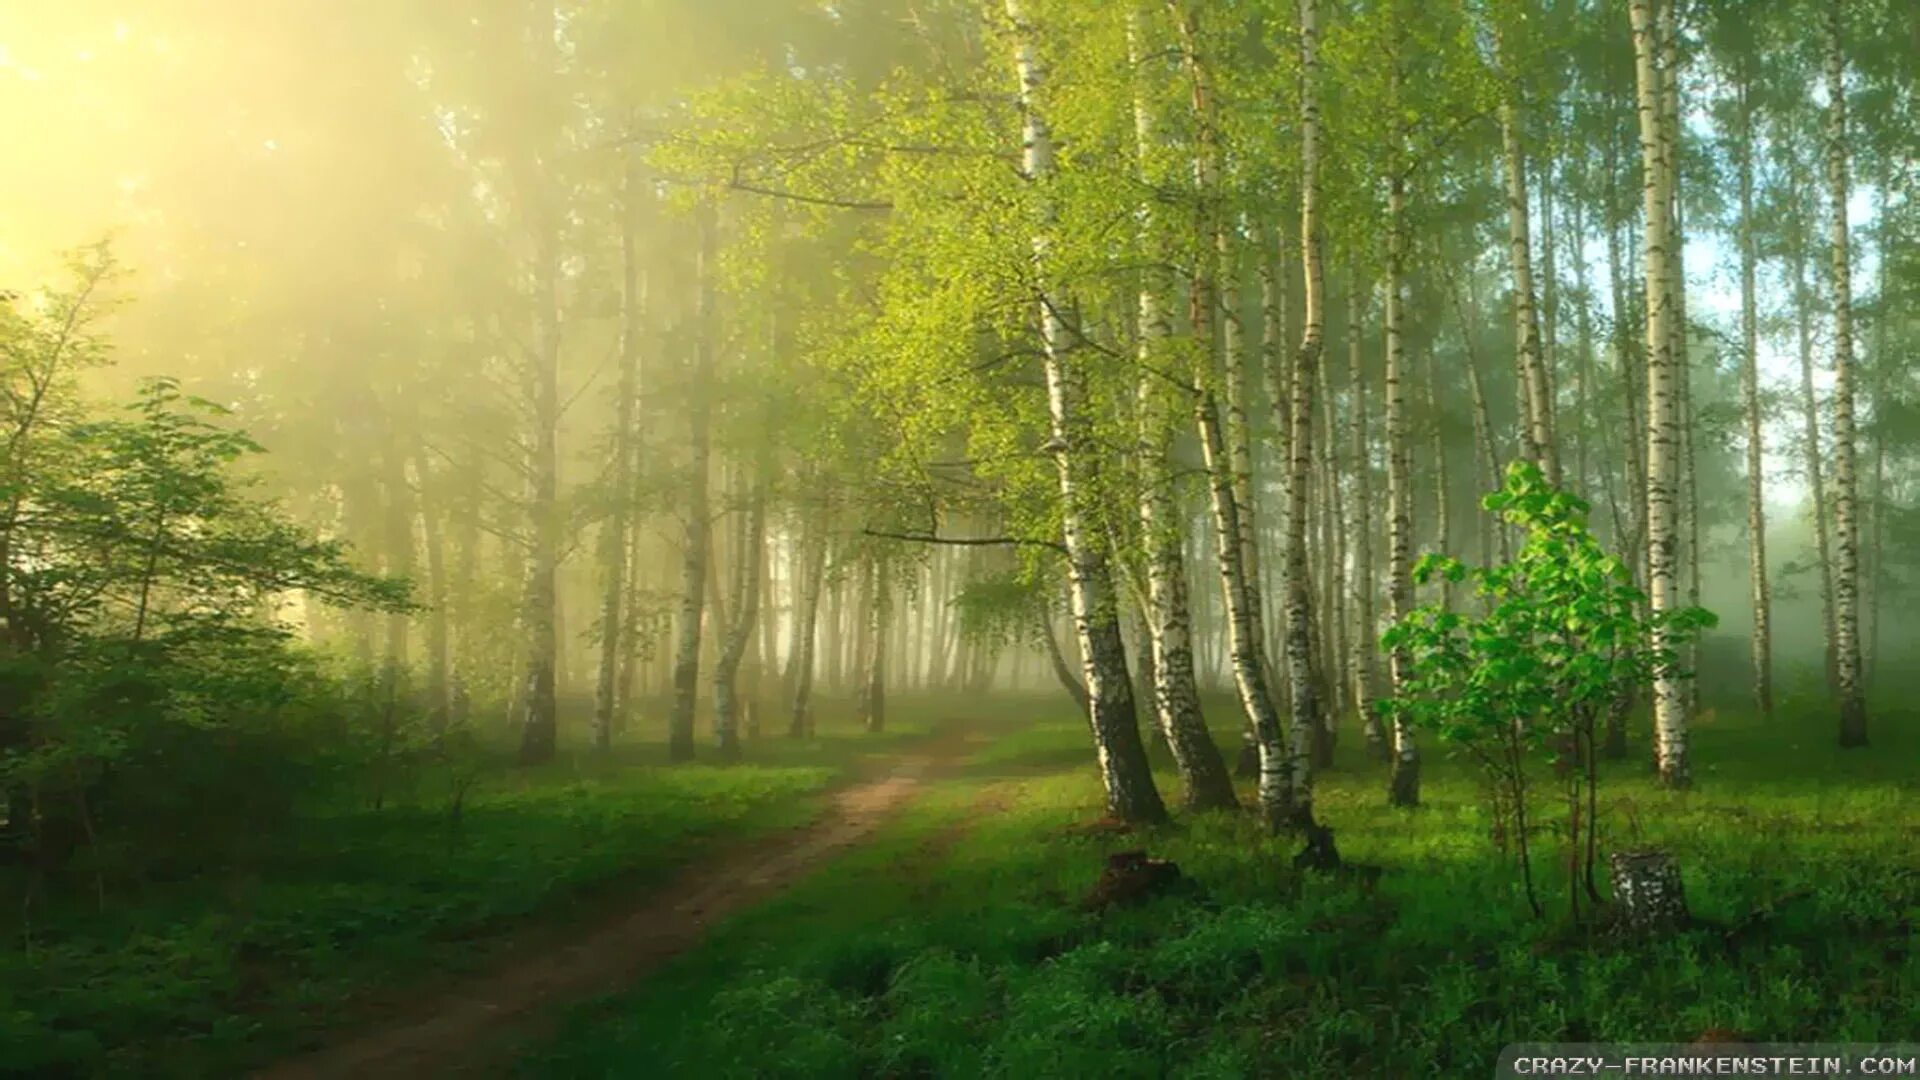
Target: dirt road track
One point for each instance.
(440, 1035)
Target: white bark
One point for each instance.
(1365, 642)
(1762, 639)
(613, 537)
(1535, 386)
(1176, 692)
(1669, 718)
(1131, 794)
(1846, 535)
(696, 536)
(1304, 716)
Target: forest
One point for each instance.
(954, 538)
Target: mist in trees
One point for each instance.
(566, 372)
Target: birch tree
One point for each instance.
(1846, 535)
(696, 531)
(1669, 716)
(1131, 795)
(613, 537)
(1176, 694)
(1228, 490)
(1305, 715)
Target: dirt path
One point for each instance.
(444, 1032)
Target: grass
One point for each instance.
(954, 946)
(354, 908)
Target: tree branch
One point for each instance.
(955, 541)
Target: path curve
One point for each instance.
(439, 1036)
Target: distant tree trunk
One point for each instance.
(938, 591)
(1550, 296)
(466, 516)
(439, 636)
(1816, 468)
(1334, 578)
(1537, 390)
(697, 539)
(1486, 452)
(1062, 671)
(539, 721)
(613, 537)
(1583, 373)
(400, 563)
(1629, 360)
(873, 693)
(834, 656)
(638, 637)
(1883, 371)
(1846, 533)
(1131, 794)
(1670, 719)
(1442, 523)
(805, 632)
(1365, 640)
(1762, 639)
(739, 633)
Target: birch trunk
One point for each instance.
(1846, 570)
(464, 583)
(1403, 786)
(1816, 469)
(1442, 521)
(738, 634)
(613, 538)
(439, 629)
(696, 536)
(1273, 300)
(1627, 358)
(1883, 373)
(1233, 540)
(1486, 454)
(1537, 392)
(399, 563)
(539, 720)
(1669, 718)
(1365, 632)
(1131, 795)
(806, 619)
(1176, 693)
(1304, 717)
(1687, 498)
(1333, 582)
(1057, 660)
(1762, 638)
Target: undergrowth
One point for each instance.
(350, 909)
(945, 954)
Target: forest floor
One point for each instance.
(956, 944)
(446, 1033)
(351, 915)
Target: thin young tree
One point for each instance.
(1846, 535)
(1647, 18)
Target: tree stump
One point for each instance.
(1130, 876)
(1319, 854)
(1646, 889)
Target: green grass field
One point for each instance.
(954, 946)
(355, 908)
